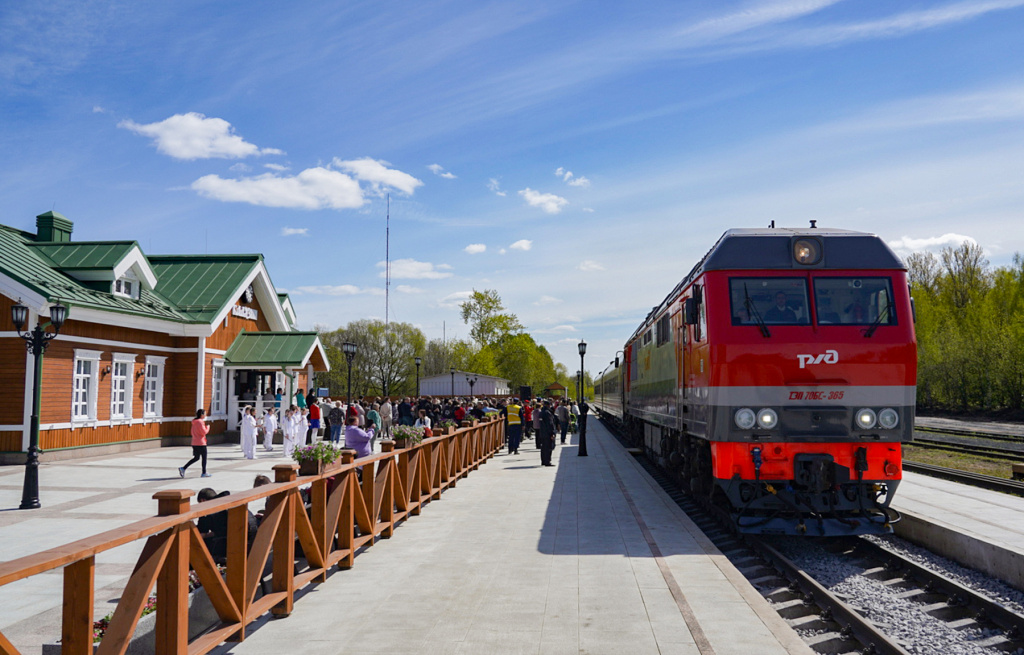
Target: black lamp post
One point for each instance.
(579, 385)
(350, 352)
(452, 371)
(471, 381)
(583, 435)
(36, 342)
(418, 361)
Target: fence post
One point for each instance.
(172, 582)
(76, 624)
(284, 540)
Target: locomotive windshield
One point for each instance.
(769, 301)
(854, 300)
(837, 301)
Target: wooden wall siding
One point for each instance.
(6, 324)
(66, 438)
(12, 380)
(10, 442)
(75, 328)
(180, 384)
(224, 335)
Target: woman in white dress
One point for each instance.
(249, 433)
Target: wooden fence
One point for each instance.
(341, 516)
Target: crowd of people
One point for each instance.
(360, 424)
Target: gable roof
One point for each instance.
(194, 290)
(277, 349)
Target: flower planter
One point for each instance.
(403, 443)
(315, 467)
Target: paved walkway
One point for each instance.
(586, 557)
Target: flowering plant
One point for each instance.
(408, 433)
(448, 423)
(322, 451)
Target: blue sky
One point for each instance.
(578, 157)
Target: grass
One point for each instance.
(1000, 468)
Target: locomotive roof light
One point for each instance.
(807, 251)
(745, 418)
(888, 418)
(767, 418)
(866, 418)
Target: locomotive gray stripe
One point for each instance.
(825, 395)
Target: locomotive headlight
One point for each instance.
(865, 418)
(745, 418)
(767, 418)
(888, 418)
(807, 251)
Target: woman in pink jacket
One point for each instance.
(199, 431)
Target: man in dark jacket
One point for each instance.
(546, 434)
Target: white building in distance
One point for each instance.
(483, 385)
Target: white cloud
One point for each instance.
(589, 266)
(405, 288)
(522, 244)
(547, 202)
(548, 300)
(99, 110)
(907, 245)
(273, 167)
(313, 188)
(589, 210)
(559, 329)
(570, 179)
(378, 175)
(502, 251)
(410, 269)
(240, 168)
(194, 136)
(475, 248)
(295, 231)
(494, 185)
(438, 169)
(338, 290)
(453, 300)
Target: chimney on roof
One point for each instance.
(51, 226)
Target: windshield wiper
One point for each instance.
(752, 311)
(878, 321)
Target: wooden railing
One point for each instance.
(344, 514)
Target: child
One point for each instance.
(303, 427)
(289, 430)
(269, 428)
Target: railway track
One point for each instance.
(827, 622)
(969, 449)
(995, 436)
(964, 477)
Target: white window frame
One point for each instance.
(218, 406)
(117, 286)
(153, 407)
(126, 360)
(92, 378)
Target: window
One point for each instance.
(83, 397)
(217, 388)
(854, 300)
(127, 285)
(664, 329)
(121, 376)
(772, 300)
(153, 397)
(647, 338)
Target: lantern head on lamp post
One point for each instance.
(452, 371)
(418, 361)
(350, 352)
(583, 435)
(471, 381)
(36, 341)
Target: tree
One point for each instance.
(965, 273)
(487, 318)
(384, 361)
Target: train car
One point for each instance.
(608, 392)
(778, 380)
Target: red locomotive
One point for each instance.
(778, 380)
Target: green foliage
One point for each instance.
(970, 330)
(487, 318)
(383, 361)
(321, 451)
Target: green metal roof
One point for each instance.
(190, 289)
(271, 349)
(84, 255)
(202, 285)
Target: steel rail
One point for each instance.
(957, 447)
(995, 436)
(964, 477)
(860, 627)
(988, 609)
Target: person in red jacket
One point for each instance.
(199, 431)
(527, 419)
(314, 420)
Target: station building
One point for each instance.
(147, 341)
(483, 385)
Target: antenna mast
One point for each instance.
(387, 267)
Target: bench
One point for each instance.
(1018, 471)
